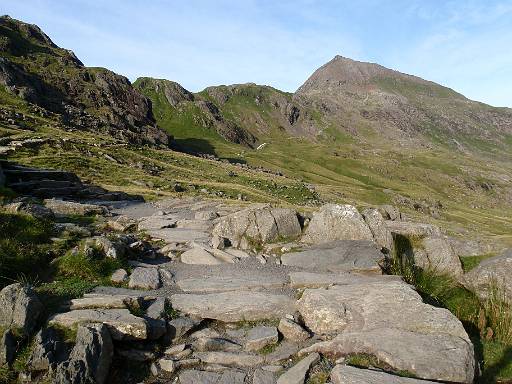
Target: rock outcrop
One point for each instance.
(20, 308)
(337, 222)
(493, 277)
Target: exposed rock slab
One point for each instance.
(411, 229)
(345, 374)
(234, 306)
(200, 256)
(120, 322)
(229, 376)
(342, 255)
(427, 341)
(260, 337)
(179, 235)
(231, 281)
(337, 222)
(63, 207)
(318, 280)
(229, 359)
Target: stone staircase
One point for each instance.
(49, 183)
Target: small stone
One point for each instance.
(145, 278)
(260, 337)
(119, 276)
(292, 331)
(297, 373)
(180, 326)
(175, 349)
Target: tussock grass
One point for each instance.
(25, 247)
(487, 322)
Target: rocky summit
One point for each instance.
(354, 231)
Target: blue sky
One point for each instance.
(466, 45)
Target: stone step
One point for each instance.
(29, 186)
(28, 174)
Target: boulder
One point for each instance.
(429, 342)
(337, 256)
(439, 256)
(292, 330)
(429, 253)
(119, 276)
(120, 322)
(381, 234)
(297, 373)
(345, 374)
(48, 351)
(492, 277)
(337, 222)
(260, 337)
(62, 207)
(234, 306)
(19, 308)
(258, 224)
(145, 278)
(89, 361)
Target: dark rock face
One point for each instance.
(35, 69)
(19, 308)
(7, 348)
(90, 359)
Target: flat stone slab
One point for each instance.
(345, 374)
(231, 281)
(120, 322)
(229, 359)
(260, 337)
(408, 229)
(336, 256)
(179, 235)
(103, 302)
(318, 280)
(389, 320)
(230, 376)
(234, 306)
(145, 278)
(156, 223)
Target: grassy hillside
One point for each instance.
(472, 188)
